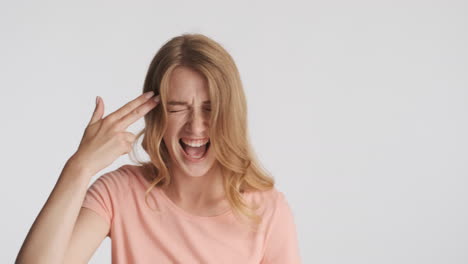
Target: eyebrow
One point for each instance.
(185, 103)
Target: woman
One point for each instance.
(202, 198)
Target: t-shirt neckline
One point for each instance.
(181, 211)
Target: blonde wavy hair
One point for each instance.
(241, 170)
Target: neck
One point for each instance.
(196, 192)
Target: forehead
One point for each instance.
(186, 84)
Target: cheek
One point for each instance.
(173, 128)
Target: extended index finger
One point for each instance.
(130, 106)
(137, 113)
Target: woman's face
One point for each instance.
(189, 110)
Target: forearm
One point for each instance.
(48, 238)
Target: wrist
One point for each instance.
(78, 167)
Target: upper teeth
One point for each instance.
(195, 143)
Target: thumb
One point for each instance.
(98, 111)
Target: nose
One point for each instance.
(197, 123)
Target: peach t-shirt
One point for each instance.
(140, 235)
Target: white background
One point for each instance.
(358, 108)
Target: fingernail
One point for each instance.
(149, 94)
(157, 98)
(97, 99)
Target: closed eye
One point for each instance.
(175, 111)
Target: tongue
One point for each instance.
(196, 152)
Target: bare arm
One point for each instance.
(48, 238)
(53, 237)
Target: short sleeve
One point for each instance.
(104, 194)
(282, 243)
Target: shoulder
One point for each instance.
(116, 181)
(268, 201)
(262, 196)
(281, 243)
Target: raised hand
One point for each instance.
(106, 139)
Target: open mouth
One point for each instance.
(195, 153)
